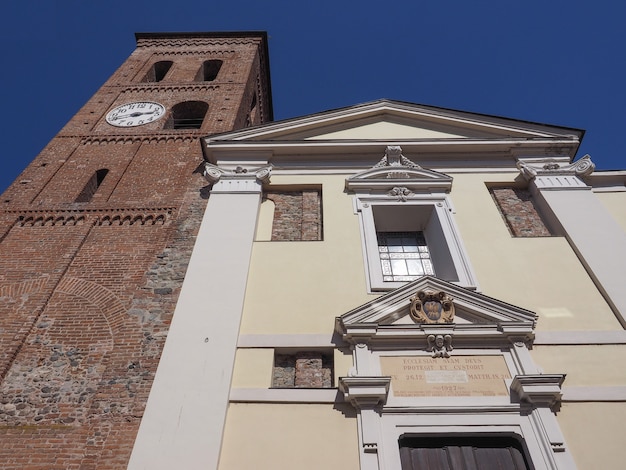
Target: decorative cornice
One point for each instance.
(195, 42)
(131, 139)
(160, 88)
(115, 216)
(365, 392)
(484, 318)
(539, 389)
(199, 52)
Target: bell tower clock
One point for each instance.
(95, 236)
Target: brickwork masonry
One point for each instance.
(519, 212)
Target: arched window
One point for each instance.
(158, 71)
(187, 115)
(92, 186)
(209, 70)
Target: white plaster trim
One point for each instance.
(613, 393)
(346, 170)
(579, 337)
(609, 189)
(285, 395)
(289, 341)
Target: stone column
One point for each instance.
(184, 419)
(597, 239)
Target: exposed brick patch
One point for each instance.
(297, 215)
(305, 369)
(518, 210)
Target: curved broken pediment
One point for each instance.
(396, 172)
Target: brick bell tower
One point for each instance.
(95, 236)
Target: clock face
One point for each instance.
(135, 114)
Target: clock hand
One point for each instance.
(135, 114)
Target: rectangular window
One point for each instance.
(404, 256)
(403, 242)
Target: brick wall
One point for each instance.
(305, 369)
(88, 288)
(297, 214)
(519, 212)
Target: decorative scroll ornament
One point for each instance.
(394, 158)
(214, 173)
(400, 192)
(440, 345)
(432, 307)
(582, 167)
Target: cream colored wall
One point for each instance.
(382, 130)
(284, 436)
(615, 203)
(594, 433)
(584, 365)
(253, 367)
(540, 274)
(301, 286)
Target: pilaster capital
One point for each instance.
(239, 180)
(554, 175)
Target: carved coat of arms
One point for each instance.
(432, 307)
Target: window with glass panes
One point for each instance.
(404, 256)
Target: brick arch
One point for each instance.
(110, 305)
(25, 287)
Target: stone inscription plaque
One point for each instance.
(458, 376)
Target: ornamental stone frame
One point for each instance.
(397, 184)
(488, 384)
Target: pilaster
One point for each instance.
(597, 239)
(184, 419)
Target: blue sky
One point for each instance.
(556, 62)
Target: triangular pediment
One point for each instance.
(475, 315)
(398, 121)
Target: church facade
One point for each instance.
(187, 283)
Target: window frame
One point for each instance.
(435, 218)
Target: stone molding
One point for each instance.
(365, 392)
(539, 389)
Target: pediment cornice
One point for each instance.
(395, 171)
(478, 318)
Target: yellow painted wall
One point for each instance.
(301, 286)
(584, 365)
(594, 433)
(253, 367)
(541, 274)
(285, 436)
